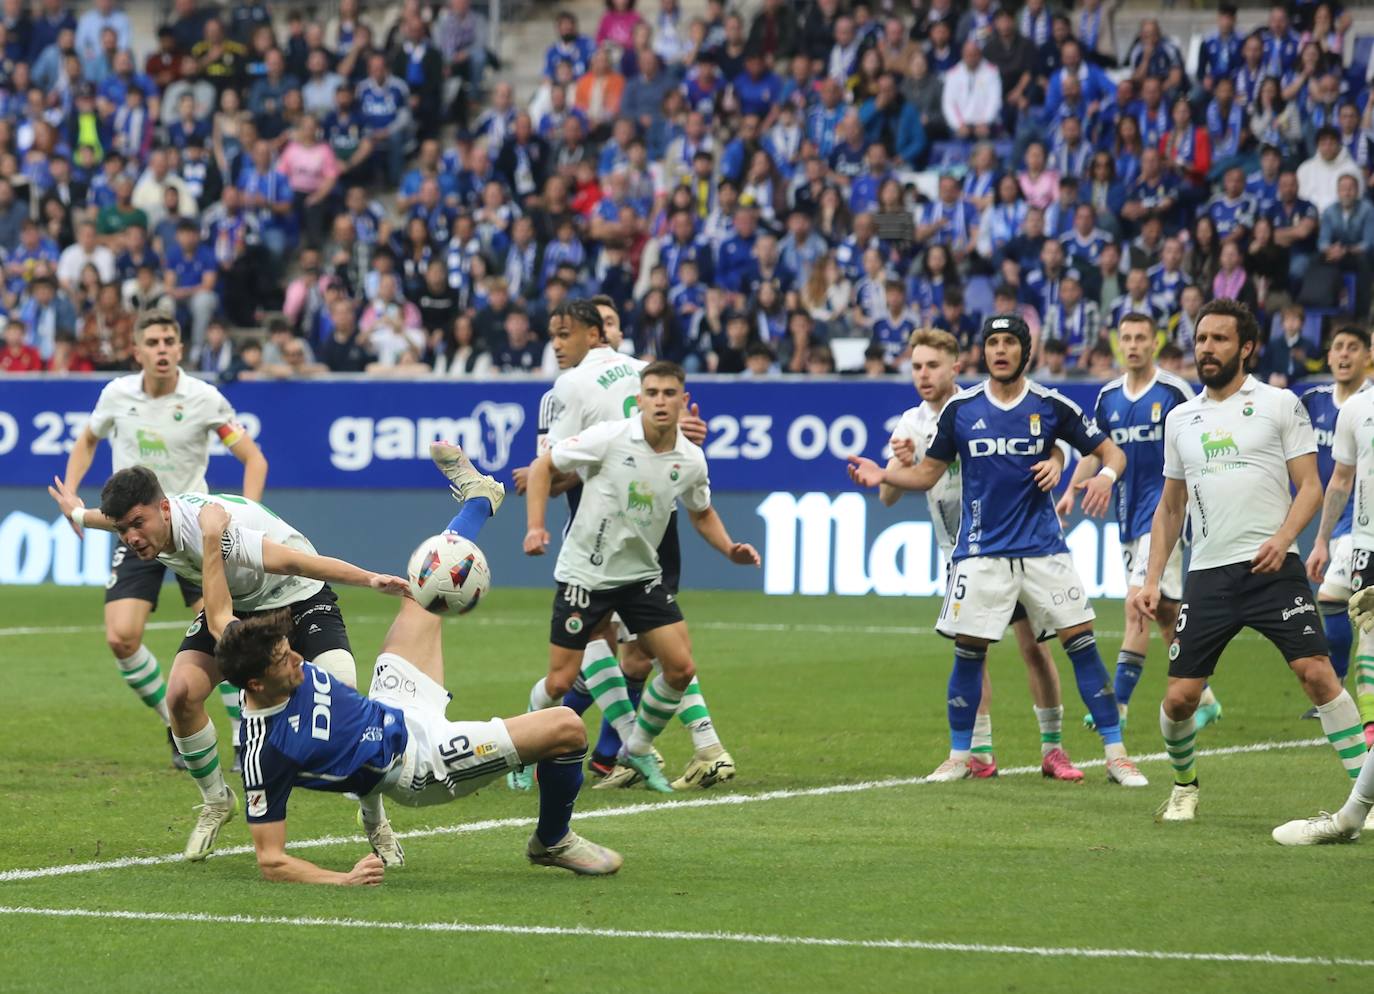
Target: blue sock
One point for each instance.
(578, 699)
(1129, 666)
(608, 742)
(965, 693)
(1092, 685)
(1338, 636)
(469, 521)
(559, 781)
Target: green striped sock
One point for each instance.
(1051, 721)
(1341, 722)
(656, 708)
(144, 677)
(1364, 687)
(982, 737)
(606, 683)
(1180, 742)
(201, 752)
(697, 717)
(229, 695)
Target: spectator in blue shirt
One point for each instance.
(192, 276)
(384, 106)
(888, 118)
(571, 47)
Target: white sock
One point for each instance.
(1340, 720)
(1356, 809)
(694, 714)
(144, 677)
(539, 697)
(201, 752)
(373, 812)
(982, 737)
(1051, 722)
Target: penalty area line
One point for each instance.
(651, 807)
(674, 935)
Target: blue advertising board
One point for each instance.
(765, 435)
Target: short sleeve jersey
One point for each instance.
(325, 736)
(1004, 513)
(1323, 410)
(602, 387)
(252, 587)
(1136, 424)
(1233, 455)
(170, 435)
(628, 495)
(918, 424)
(1353, 445)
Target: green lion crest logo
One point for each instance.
(640, 497)
(1218, 443)
(150, 444)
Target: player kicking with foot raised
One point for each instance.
(1348, 358)
(162, 418)
(1230, 455)
(304, 728)
(271, 566)
(1011, 546)
(1132, 409)
(934, 364)
(633, 472)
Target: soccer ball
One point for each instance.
(448, 575)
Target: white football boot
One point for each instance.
(463, 478)
(213, 817)
(1319, 831)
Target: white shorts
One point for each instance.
(1135, 556)
(984, 591)
(1340, 572)
(443, 759)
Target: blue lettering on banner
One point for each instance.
(360, 434)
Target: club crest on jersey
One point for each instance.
(178, 414)
(1173, 650)
(674, 474)
(640, 497)
(1035, 424)
(573, 625)
(1156, 412)
(1218, 443)
(1248, 409)
(196, 626)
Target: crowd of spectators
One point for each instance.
(795, 190)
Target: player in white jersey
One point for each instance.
(934, 363)
(165, 419)
(1231, 456)
(270, 565)
(633, 473)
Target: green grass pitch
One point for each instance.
(808, 693)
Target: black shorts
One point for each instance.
(1219, 602)
(141, 579)
(1361, 569)
(643, 606)
(317, 626)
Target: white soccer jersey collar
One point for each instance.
(1247, 387)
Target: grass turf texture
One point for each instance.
(85, 775)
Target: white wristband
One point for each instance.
(1109, 473)
(78, 516)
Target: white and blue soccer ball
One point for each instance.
(448, 574)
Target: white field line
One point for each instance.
(672, 935)
(712, 801)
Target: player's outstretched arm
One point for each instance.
(275, 864)
(710, 527)
(537, 486)
(1097, 489)
(887, 493)
(1337, 495)
(246, 451)
(219, 603)
(1165, 529)
(285, 561)
(922, 476)
(75, 511)
(78, 462)
(1302, 471)
(1087, 467)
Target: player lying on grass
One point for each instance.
(271, 566)
(633, 473)
(934, 366)
(302, 728)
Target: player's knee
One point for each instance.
(339, 664)
(1318, 678)
(1180, 701)
(568, 731)
(123, 643)
(559, 682)
(182, 698)
(679, 672)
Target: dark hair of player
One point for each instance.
(663, 367)
(157, 319)
(1135, 317)
(1247, 328)
(245, 648)
(1354, 331)
(127, 489)
(584, 312)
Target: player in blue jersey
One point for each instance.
(1132, 409)
(1011, 546)
(303, 728)
(1330, 562)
